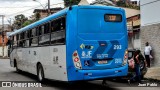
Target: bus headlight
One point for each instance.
(76, 60)
(125, 59)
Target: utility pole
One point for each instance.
(49, 11)
(132, 36)
(2, 34)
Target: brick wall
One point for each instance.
(151, 34)
(5, 40)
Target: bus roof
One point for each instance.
(60, 13)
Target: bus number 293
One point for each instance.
(117, 47)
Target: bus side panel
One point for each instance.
(16, 57)
(53, 60)
(31, 57)
(12, 57)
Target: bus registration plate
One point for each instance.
(102, 62)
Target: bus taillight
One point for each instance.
(75, 54)
(76, 60)
(125, 59)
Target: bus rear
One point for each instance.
(96, 43)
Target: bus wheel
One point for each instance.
(40, 73)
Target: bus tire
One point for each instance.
(40, 73)
(16, 66)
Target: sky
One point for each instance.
(11, 8)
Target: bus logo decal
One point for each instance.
(86, 54)
(83, 46)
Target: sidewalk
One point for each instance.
(153, 73)
(4, 57)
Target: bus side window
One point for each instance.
(33, 32)
(63, 23)
(26, 35)
(40, 30)
(26, 40)
(44, 38)
(21, 40)
(58, 31)
(34, 38)
(46, 28)
(52, 26)
(14, 42)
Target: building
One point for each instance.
(44, 12)
(150, 27)
(133, 25)
(97, 2)
(4, 39)
(135, 2)
(3, 34)
(7, 28)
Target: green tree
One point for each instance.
(19, 20)
(121, 3)
(27, 23)
(71, 2)
(37, 16)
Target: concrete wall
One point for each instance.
(137, 44)
(150, 27)
(151, 34)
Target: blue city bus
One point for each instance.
(77, 43)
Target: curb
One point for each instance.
(4, 57)
(152, 80)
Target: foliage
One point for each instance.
(37, 16)
(19, 20)
(22, 21)
(128, 5)
(27, 23)
(71, 2)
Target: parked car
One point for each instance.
(143, 66)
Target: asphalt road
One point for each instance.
(8, 73)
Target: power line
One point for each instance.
(32, 9)
(21, 6)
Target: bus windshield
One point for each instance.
(100, 21)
